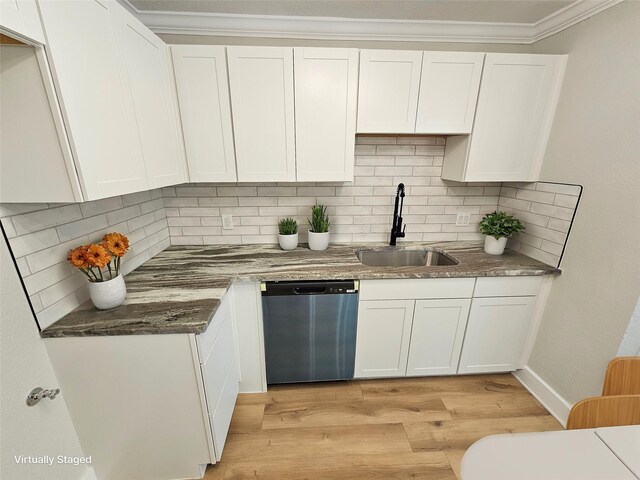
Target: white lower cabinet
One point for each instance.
(382, 345)
(151, 406)
(422, 327)
(496, 334)
(219, 366)
(436, 336)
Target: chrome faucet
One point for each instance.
(396, 228)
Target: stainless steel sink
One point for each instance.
(392, 257)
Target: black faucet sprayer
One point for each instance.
(396, 227)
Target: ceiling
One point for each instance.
(502, 11)
(470, 21)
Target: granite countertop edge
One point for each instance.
(179, 290)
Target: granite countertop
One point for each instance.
(179, 290)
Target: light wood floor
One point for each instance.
(409, 428)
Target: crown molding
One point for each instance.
(328, 28)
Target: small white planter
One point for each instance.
(109, 294)
(318, 241)
(288, 242)
(493, 246)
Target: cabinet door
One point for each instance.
(496, 332)
(517, 101)
(20, 18)
(436, 336)
(261, 81)
(326, 87)
(220, 373)
(94, 94)
(205, 112)
(388, 93)
(382, 345)
(448, 92)
(147, 67)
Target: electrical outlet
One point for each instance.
(227, 222)
(463, 219)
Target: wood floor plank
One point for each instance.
(215, 472)
(436, 387)
(315, 414)
(421, 466)
(306, 442)
(255, 398)
(461, 434)
(316, 392)
(455, 460)
(392, 429)
(247, 418)
(494, 405)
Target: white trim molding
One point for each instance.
(547, 396)
(330, 28)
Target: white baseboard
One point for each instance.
(547, 396)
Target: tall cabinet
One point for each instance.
(326, 89)
(261, 82)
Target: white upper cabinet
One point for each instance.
(326, 88)
(205, 112)
(516, 104)
(20, 19)
(35, 161)
(147, 65)
(261, 82)
(448, 92)
(388, 93)
(93, 90)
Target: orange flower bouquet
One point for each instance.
(98, 260)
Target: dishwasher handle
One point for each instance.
(316, 290)
(309, 287)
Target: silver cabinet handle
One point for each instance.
(38, 394)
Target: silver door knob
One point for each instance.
(38, 394)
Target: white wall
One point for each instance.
(595, 141)
(44, 429)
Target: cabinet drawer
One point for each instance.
(507, 286)
(416, 289)
(221, 419)
(208, 338)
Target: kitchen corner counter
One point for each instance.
(179, 290)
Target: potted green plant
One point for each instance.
(288, 233)
(319, 231)
(498, 227)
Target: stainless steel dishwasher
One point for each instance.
(309, 330)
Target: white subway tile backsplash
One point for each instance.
(35, 221)
(48, 231)
(546, 209)
(34, 242)
(360, 211)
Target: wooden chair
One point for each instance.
(620, 400)
(611, 411)
(622, 377)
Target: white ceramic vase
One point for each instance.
(493, 246)
(318, 241)
(109, 294)
(288, 242)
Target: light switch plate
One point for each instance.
(227, 222)
(463, 219)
